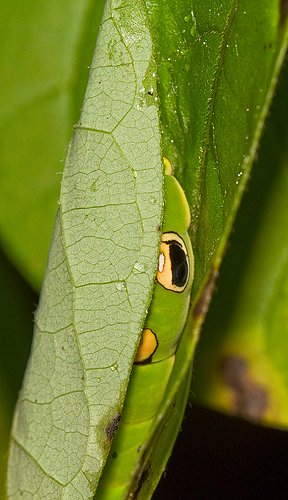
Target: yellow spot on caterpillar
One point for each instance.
(169, 171)
(168, 166)
(185, 204)
(147, 347)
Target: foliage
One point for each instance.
(212, 70)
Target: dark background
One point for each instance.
(216, 456)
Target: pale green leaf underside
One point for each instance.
(100, 273)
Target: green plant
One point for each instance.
(193, 83)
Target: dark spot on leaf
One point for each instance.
(115, 455)
(112, 427)
(150, 92)
(205, 298)
(250, 400)
(283, 11)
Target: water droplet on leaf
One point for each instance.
(139, 267)
(120, 286)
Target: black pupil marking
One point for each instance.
(179, 264)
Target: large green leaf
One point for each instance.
(216, 65)
(100, 273)
(46, 48)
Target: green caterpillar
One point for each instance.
(157, 349)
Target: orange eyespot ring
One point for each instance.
(173, 264)
(147, 347)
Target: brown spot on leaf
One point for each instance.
(205, 297)
(112, 427)
(283, 11)
(250, 400)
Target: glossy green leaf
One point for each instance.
(100, 273)
(216, 67)
(46, 48)
(242, 367)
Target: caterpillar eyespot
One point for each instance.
(167, 313)
(173, 263)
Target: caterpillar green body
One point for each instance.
(155, 357)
